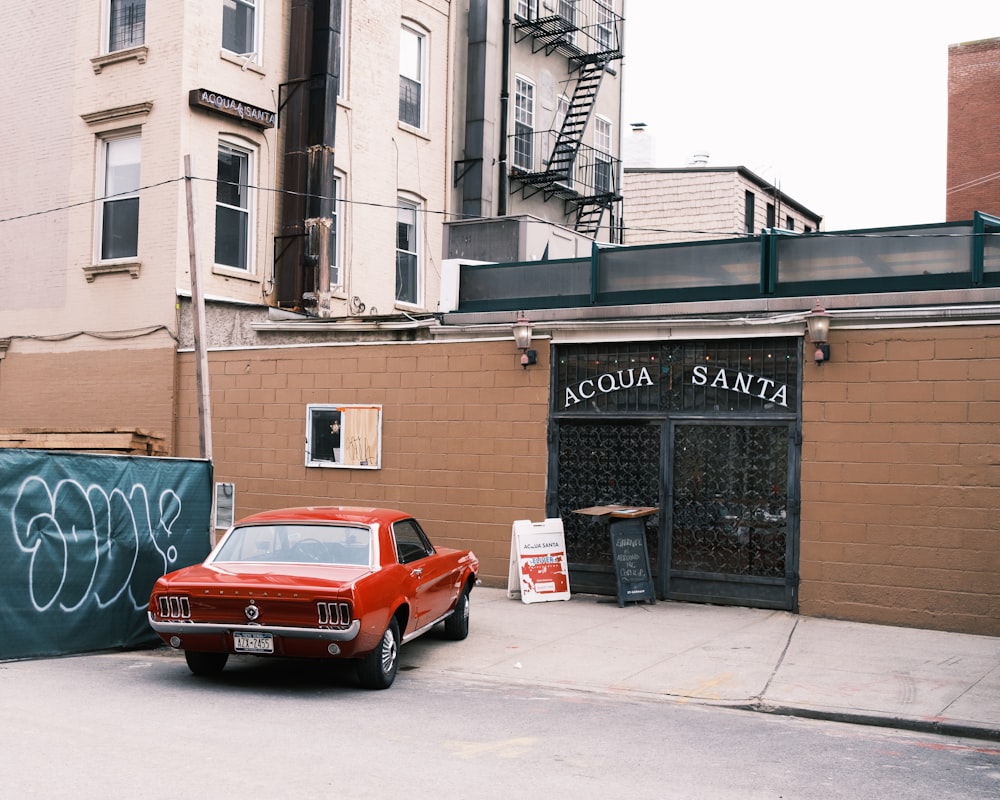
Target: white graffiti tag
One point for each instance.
(86, 543)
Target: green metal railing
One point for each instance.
(777, 263)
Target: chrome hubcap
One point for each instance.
(388, 651)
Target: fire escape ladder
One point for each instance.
(581, 106)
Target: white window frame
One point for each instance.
(567, 10)
(109, 194)
(413, 205)
(605, 23)
(243, 148)
(337, 283)
(253, 55)
(603, 144)
(524, 123)
(343, 435)
(106, 25)
(422, 40)
(562, 109)
(527, 9)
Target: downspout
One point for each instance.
(504, 105)
(322, 129)
(309, 119)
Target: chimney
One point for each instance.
(639, 149)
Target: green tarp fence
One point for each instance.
(83, 538)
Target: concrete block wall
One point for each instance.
(463, 433)
(121, 387)
(900, 472)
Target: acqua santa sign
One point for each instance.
(738, 381)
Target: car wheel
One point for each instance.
(205, 663)
(457, 625)
(377, 670)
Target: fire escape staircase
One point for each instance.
(583, 177)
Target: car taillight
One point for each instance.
(333, 614)
(174, 606)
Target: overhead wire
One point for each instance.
(455, 216)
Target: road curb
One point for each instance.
(935, 726)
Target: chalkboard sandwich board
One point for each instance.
(631, 557)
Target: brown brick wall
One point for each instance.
(900, 476)
(463, 434)
(89, 389)
(900, 520)
(973, 133)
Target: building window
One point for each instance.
(524, 124)
(411, 76)
(127, 26)
(342, 435)
(602, 155)
(562, 109)
(789, 223)
(336, 229)
(233, 207)
(407, 254)
(119, 197)
(239, 27)
(527, 9)
(748, 213)
(605, 24)
(567, 11)
(770, 215)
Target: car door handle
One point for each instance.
(418, 572)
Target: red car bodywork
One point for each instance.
(315, 582)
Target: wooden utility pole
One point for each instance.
(198, 316)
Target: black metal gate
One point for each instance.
(728, 514)
(715, 449)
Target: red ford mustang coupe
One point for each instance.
(323, 582)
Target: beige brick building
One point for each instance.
(687, 204)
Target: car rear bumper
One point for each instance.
(181, 628)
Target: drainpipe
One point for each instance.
(309, 120)
(504, 105)
(322, 128)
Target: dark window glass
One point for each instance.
(409, 101)
(120, 229)
(238, 25)
(128, 24)
(411, 543)
(748, 212)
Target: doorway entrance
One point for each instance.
(720, 462)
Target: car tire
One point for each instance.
(205, 664)
(456, 627)
(377, 670)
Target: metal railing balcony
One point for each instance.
(583, 30)
(585, 175)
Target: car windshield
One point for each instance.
(308, 543)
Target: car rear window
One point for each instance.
(298, 543)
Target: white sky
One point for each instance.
(842, 105)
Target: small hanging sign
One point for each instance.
(539, 570)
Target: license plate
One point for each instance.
(253, 642)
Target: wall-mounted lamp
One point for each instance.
(819, 331)
(522, 338)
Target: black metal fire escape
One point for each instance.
(589, 35)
